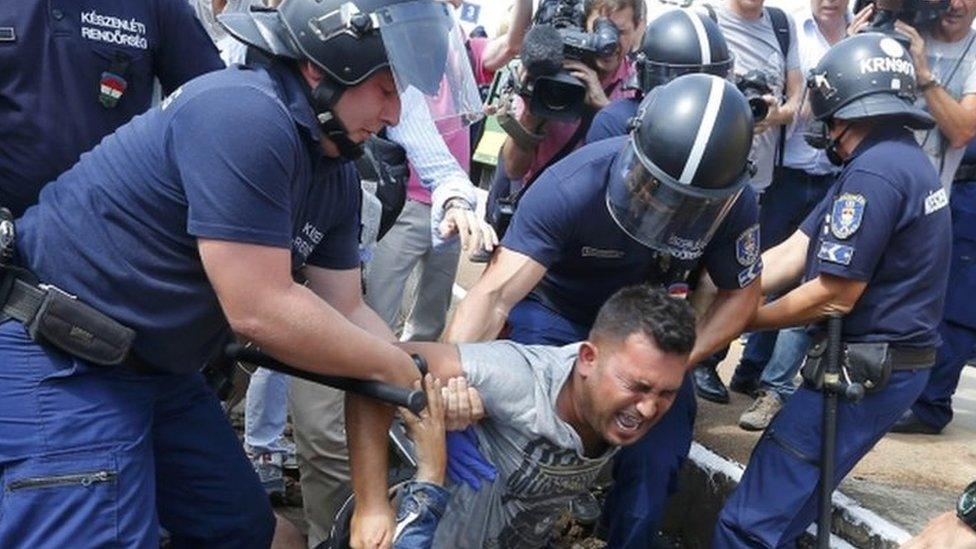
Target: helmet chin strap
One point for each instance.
(323, 98)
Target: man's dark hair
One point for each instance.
(668, 321)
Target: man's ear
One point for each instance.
(588, 355)
(313, 75)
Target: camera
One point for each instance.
(754, 85)
(551, 91)
(921, 14)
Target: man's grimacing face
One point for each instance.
(367, 108)
(628, 386)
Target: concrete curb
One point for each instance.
(708, 478)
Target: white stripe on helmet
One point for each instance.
(715, 96)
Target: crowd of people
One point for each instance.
(179, 175)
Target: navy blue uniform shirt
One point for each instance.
(612, 120)
(563, 223)
(61, 59)
(886, 222)
(231, 155)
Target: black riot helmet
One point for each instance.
(868, 75)
(350, 40)
(684, 165)
(681, 41)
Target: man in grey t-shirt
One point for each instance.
(748, 29)
(945, 70)
(554, 417)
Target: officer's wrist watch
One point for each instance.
(966, 506)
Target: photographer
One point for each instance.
(945, 66)
(603, 77)
(763, 41)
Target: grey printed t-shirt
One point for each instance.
(539, 457)
(754, 45)
(955, 68)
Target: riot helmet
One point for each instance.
(685, 164)
(868, 75)
(350, 40)
(681, 41)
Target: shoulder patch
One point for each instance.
(747, 246)
(750, 273)
(846, 215)
(936, 201)
(841, 254)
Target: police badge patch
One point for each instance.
(846, 216)
(747, 246)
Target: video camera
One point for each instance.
(559, 33)
(754, 85)
(921, 14)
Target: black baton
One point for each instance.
(413, 400)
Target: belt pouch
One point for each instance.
(80, 330)
(868, 364)
(815, 364)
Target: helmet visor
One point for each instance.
(426, 51)
(663, 214)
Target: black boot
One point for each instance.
(708, 385)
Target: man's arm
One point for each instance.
(810, 302)
(482, 313)
(289, 322)
(519, 158)
(783, 264)
(503, 48)
(783, 114)
(725, 319)
(956, 119)
(344, 291)
(367, 422)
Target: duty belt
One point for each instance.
(59, 319)
(911, 358)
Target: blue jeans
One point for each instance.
(644, 474)
(103, 456)
(783, 207)
(776, 499)
(266, 411)
(420, 509)
(785, 359)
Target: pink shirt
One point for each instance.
(559, 133)
(457, 139)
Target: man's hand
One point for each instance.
(861, 20)
(595, 96)
(475, 233)
(372, 528)
(427, 432)
(772, 116)
(463, 403)
(945, 531)
(917, 48)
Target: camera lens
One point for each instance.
(759, 108)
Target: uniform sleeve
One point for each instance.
(237, 183)
(733, 256)
(501, 374)
(606, 124)
(814, 220)
(185, 51)
(863, 216)
(339, 248)
(543, 222)
(793, 52)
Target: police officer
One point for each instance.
(876, 249)
(73, 72)
(652, 207)
(680, 41)
(189, 222)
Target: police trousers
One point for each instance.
(776, 499)
(645, 473)
(101, 457)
